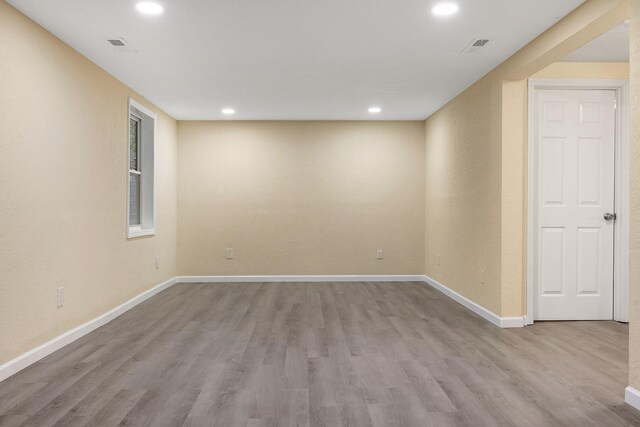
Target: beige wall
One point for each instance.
(463, 195)
(63, 133)
(584, 70)
(476, 167)
(300, 197)
(513, 197)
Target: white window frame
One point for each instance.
(146, 169)
(134, 116)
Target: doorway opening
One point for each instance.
(577, 198)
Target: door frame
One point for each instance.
(621, 196)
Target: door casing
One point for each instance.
(621, 232)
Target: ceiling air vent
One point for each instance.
(116, 42)
(120, 45)
(476, 45)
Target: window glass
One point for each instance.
(134, 199)
(134, 130)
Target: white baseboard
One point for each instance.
(632, 397)
(314, 278)
(501, 322)
(32, 356)
(528, 319)
(512, 322)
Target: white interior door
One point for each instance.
(576, 186)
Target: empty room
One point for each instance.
(320, 213)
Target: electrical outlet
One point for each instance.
(157, 262)
(380, 254)
(60, 297)
(482, 277)
(438, 260)
(229, 253)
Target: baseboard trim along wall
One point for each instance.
(21, 362)
(632, 397)
(501, 322)
(313, 278)
(32, 356)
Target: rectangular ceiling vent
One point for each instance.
(476, 45)
(120, 45)
(116, 42)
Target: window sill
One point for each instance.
(140, 232)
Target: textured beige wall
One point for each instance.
(63, 189)
(300, 197)
(634, 190)
(463, 194)
(476, 168)
(584, 70)
(513, 197)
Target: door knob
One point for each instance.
(610, 216)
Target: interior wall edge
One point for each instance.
(634, 191)
(300, 197)
(632, 397)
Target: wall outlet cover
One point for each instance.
(60, 297)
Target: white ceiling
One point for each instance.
(612, 46)
(297, 59)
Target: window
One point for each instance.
(141, 171)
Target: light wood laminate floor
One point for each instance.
(324, 354)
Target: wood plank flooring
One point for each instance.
(324, 354)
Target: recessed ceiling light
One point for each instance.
(149, 8)
(375, 110)
(228, 111)
(445, 9)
